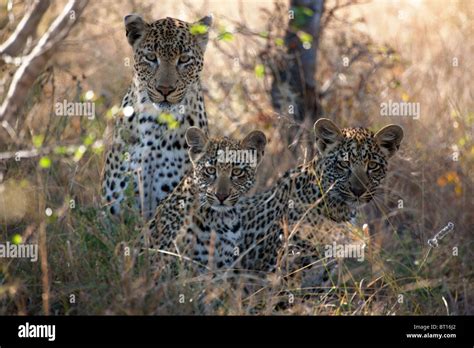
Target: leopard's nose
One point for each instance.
(165, 90)
(358, 181)
(222, 196)
(358, 189)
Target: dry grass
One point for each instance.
(401, 56)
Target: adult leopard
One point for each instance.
(148, 155)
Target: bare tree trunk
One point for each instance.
(294, 86)
(14, 45)
(36, 61)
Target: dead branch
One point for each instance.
(14, 45)
(36, 61)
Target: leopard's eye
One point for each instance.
(343, 164)
(237, 172)
(373, 165)
(210, 170)
(151, 57)
(184, 59)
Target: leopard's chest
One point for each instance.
(217, 236)
(159, 155)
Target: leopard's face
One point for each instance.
(224, 169)
(354, 160)
(168, 56)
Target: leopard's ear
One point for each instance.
(389, 139)
(328, 135)
(197, 141)
(135, 28)
(257, 141)
(200, 30)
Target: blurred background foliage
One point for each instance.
(368, 52)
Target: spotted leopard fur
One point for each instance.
(199, 219)
(148, 149)
(351, 165)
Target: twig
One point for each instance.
(35, 62)
(14, 45)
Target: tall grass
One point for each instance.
(89, 265)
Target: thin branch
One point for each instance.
(35, 62)
(14, 45)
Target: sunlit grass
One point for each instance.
(93, 261)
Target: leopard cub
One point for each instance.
(200, 219)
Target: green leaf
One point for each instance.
(112, 112)
(226, 36)
(259, 70)
(307, 11)
(198, 29)
(302, 16)
(45, 162)
(17, 239)
(305, 37)
(98, 147)
(89, 139)
(169, 120)
(38, 140)
(80, 151)
(279, 42)
(60, 150)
